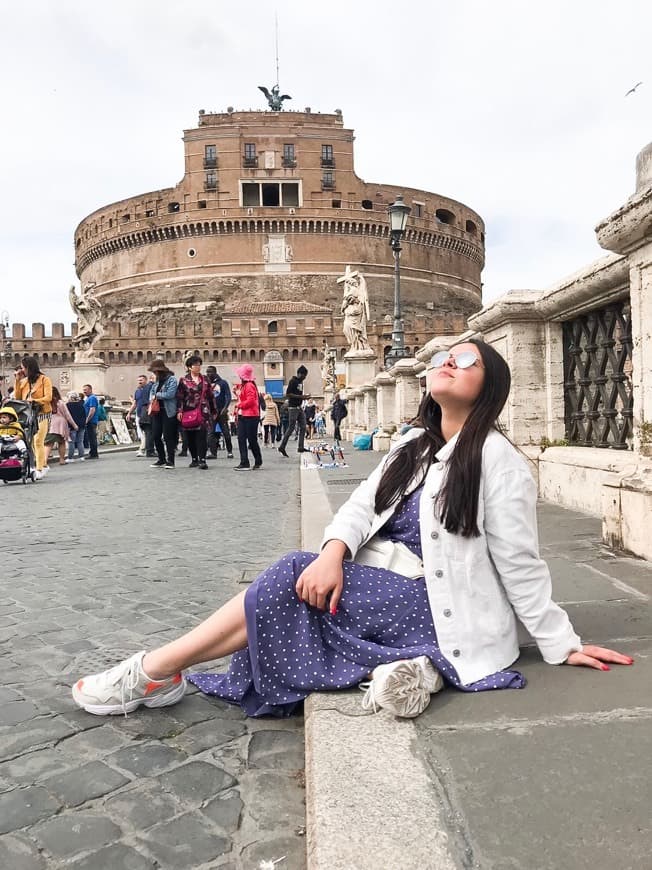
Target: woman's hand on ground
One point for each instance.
(596, 656)
(323, 577)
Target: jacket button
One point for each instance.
(439, 573)
(448, 612)
(434, 535)
(457, 653)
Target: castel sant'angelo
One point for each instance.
(242, 256)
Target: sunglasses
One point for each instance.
(463, 360)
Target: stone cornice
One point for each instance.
(384, 379)
(171, 232)
(628, 227)
(404, 368)
(595, 285)
(513, 306)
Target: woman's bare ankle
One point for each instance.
(153, 669)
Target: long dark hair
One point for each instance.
(32, 368)
(457, 504)
(56, 398)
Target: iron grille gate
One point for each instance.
(597, 377)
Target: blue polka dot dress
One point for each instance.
(294, 649)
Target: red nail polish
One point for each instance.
(605, 668)
(333, 611)
(630, 661)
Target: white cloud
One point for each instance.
(516, 109)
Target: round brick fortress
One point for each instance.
(270, 209)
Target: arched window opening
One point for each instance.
(471, 228)
(444, 216)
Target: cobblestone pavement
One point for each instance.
(102, 559)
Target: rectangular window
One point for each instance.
(290, 194)
(327, 155)
(249, 150)
(211, 181)
(417, 209)
(289, 158)
(201, 203)
(271, 196)
(250, 195)
(210, 156)
(328, 180)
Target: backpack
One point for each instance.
(223, 399)
(262, 403)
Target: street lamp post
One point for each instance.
(5, 344)
(398, 215)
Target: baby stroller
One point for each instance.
(14, 465)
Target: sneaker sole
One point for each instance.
(164, 700)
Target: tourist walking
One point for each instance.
(76, 410)
(338, 413)
(296, 416)
(222, 393)
(36, 388)
(443, 540)
(91, 404)
(248, 416)
(163, 411)
(196, 410)
(138, 412)
(271, 420)
(61, 425)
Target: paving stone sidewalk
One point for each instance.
(102, 559)
(555, 777)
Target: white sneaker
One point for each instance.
(45, 470)
(139, 453)
(403, 687)
(125, 687)
(38, 475)
(82, 459)
(68, 461)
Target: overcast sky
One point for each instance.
(515, 108)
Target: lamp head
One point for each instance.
(398, 215)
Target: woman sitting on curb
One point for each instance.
(443, 539)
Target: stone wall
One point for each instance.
(526, 327)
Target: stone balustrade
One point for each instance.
(528, 328)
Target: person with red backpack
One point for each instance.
(248, 414)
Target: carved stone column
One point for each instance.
(370, 408)
(407, 395)
(385, 405)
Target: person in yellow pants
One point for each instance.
(33, 386)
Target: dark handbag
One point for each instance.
(144, 419)
(192, 419)
(154, 407)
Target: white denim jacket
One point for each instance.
(476, 586)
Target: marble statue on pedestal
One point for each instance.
(328, 368)
(355, 308)
(89, 324)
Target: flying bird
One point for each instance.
(633, 90)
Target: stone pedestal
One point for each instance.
(93, 373)
(360, 367)
(369, 408)
(385, 407)
(408, 389)
(328, 402)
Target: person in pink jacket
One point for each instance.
(60, 425)
(248, 414)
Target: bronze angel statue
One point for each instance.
(275, 98)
